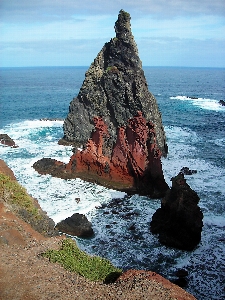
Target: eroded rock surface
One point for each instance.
(134, 165)
(179, 220)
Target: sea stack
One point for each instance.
(115, 122)
(115, 89)
(179, 221)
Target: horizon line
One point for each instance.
(83, 66)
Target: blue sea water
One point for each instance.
(194, 122)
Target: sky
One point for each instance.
(188, 33)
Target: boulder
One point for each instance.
(178, 222)
(222, 102)
(187, 171)
(77, 225)
(50, 166)
(7, 141)
(192, 97)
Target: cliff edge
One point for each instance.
(26, 274)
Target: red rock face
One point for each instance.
(135, 158)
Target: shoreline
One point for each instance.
(33, 277)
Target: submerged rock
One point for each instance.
(116, 122)
(179, 220)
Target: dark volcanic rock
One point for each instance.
(192, 97)
(187, 171)
(114, 88)
(51, 166)
(6, 140)
(179, 220)
(116, 122)
(77, 225)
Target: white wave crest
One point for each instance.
(204, 103)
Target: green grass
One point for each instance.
(112, 69)
(13, 193)
(73, 259)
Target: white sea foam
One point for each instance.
(218, 221)
(220, 142)
(56, 196)
(204, 103)
(183, 154)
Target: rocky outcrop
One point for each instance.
(116, 122)
(76, 225)
(7, 141)
(136, 278)
(49, 119)
(222, 102)
(179, 220)
(115, 88)
(187, 171)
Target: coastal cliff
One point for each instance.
(26, 274)
(114, 123)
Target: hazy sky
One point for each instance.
(72, 32)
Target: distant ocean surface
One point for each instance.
(194, 122)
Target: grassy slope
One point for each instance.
(70, 256)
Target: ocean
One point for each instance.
(34, 102)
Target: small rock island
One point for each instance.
(179, 220)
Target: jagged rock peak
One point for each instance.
(123, 30)
(123, 27)
(115, 89)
